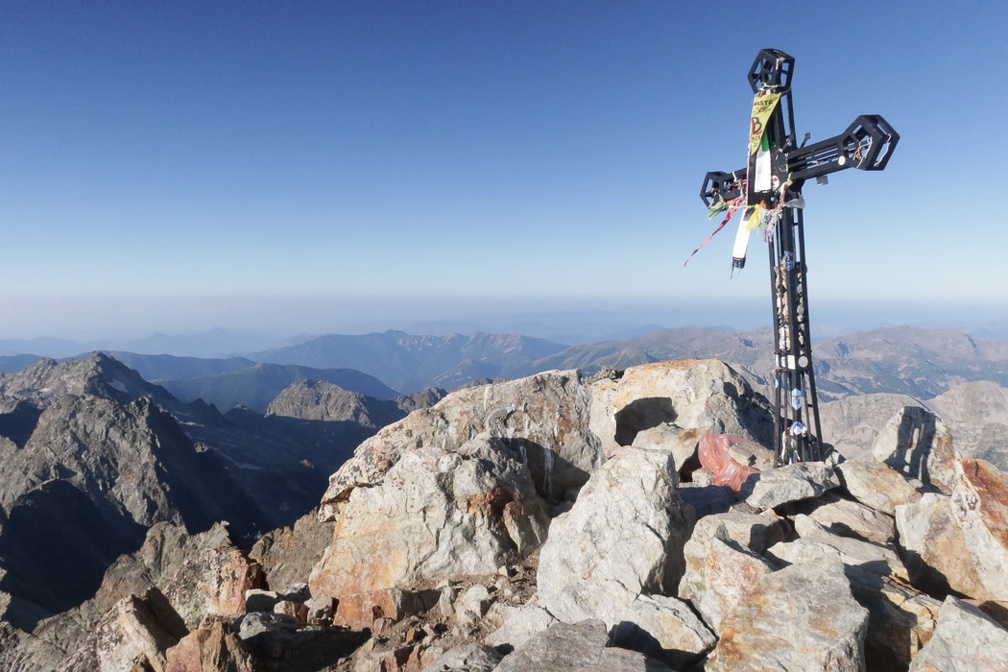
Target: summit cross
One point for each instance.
(769, 192)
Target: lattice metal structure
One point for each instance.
(769, 192)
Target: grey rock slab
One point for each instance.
(847, 518)
(578, 647)
(790, 483)
(965, 640)
(622, 537)
(719, 571)
(800, 618)
(519, 624)
(472, 657)
(436, 515)
(877, 486)
(754, 531)
(664, 628)
(815, 540)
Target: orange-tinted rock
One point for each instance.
(213, 647)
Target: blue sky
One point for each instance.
(183, 165)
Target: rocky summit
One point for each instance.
(631, 520)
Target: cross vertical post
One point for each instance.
(769, 192)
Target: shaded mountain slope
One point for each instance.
(102, 463)
(256, 386)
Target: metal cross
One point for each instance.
(769, 192)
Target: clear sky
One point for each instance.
(183, 165)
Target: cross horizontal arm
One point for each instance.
(868, 143)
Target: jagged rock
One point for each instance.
(472, 605)
(435, 515)
(755, 532)
(719, 571)
(936, 553)
(664, 628)
(816, 542)
(802, 617)
(473, 657)
(213, 647)
(965, 640)
(287, 555)
(876, 485)
(196, 574)
(900, 620)
(580, 646)
(134, 634)
(519, 625)
(542, 418)
(980, 505)
(847, 518)
(918, 445)
(359, 610)
(621, 538)
(321, 610)
(694, 394)
(298, 610)
(199, 574)
(328, 402)
(790, 483)
(299, 591)
(94, 474)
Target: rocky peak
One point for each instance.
(326, 401)
(96, 374)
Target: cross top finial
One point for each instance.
(772, 69)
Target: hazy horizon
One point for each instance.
(237, 326)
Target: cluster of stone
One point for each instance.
(561, 522)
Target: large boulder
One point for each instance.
(802, 617)
(623, 537)
(876, 485)
(719, 571)
(965, 640)
(916, 443)
(580, 646)
(693, 394)
(213, 647)
(435, 515)
(544, 418)
(790, 483)
(935, 549)
(816, 542)
(664, 628)
(134, 634)
(980, 505)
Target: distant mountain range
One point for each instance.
(905, 360)
(112, 445)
